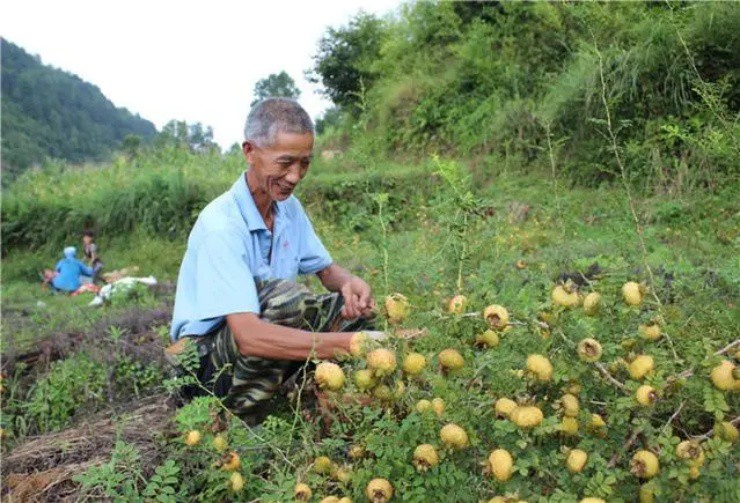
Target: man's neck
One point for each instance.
(261, 199)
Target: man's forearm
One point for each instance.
(333, 277)
(255, 337)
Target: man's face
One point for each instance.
(279, 167)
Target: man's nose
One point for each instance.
(294, 174)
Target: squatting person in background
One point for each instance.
(66, 274)
(90, 251)
(236, 296)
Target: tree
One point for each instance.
(343, 62)
(276, 85)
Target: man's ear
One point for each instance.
(247, 150)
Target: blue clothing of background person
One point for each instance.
(69, 270)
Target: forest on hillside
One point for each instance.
(48, 113)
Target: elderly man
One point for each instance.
(236, 297)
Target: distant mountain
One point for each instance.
(49, 113)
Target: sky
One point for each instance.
(187, 60)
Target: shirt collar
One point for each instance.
(248, 208)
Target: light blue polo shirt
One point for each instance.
(229, 250)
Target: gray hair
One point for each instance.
(276, 115)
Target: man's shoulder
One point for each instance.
(220, 214)
(292, 207)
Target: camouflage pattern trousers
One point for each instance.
(245, 383)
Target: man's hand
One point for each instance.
(357, 299)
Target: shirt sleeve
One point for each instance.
(313, 254)
(224, 282)
(87, 271)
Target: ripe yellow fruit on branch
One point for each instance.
(457, 304)
(488, 339)
(423, 405)
(397, 308)
(569, 426)
(540, 366)
(381, 361)
(576, 460)
(641, 366)
(231, 461)
(322, 465)
(645, 464)
(364, 379)
(438, 406)
(504, 406)
(425, 457)
(302, 492)
(723, 378)
(451, 359)
(649, 331)
(565, 295)
(236, 482)
(570, 405)
(329, 376)
(358, 344)
(592, 500)
(501, 464)
(379, 491)
(632, 293)
(690, 451)
(497, 317)
(589, 350)
(414, 363)
(646, 395)
(220, 443)
(192, 438)
(453, 436)
(592, 304)
(526, 417)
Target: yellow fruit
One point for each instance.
(453, 436)
(722, 376)
(192, 438)
(690, 451)
(576, 460)
(358, 344)
(383, 393)
(646, 395)
(342, 474)
(381, 361)
(632, 293)
(423, 405)
(414, 363)
(356, 451)
(569, 426)
(329, 376)
(400, 389)
(649, 331)
(330, 499)
(322, 465)
(379, 491)
(646, 494)
(726, 431)
(220, 443)
(592, 500)
(596, 422)
(570, 405)
(397, 308)
(346, 499)
(526, 417)
(540, 366)
(589, 350)
(425, 457)
(574, 388)
(364, 379)
(501, 464)
(694, 472)
(561, 296)
(504, 406)
(592, 304)
(498, 499)
(236, 482)
(457, 304)
(451, 359)
(438, 406)
(302, 492)
(488, 339)
(231, 461)
(520, 264)
(645, 464)
(641, 366)
(497, 317)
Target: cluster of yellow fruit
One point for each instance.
(377, 490)
(230, 461)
